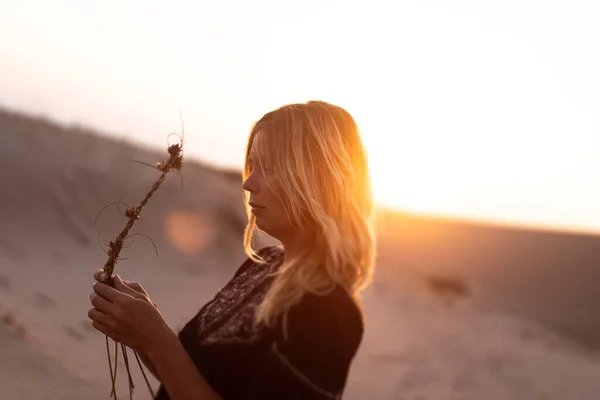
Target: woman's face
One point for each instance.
(266, 206)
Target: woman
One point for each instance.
(288, 324)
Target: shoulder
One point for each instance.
(323, 334)
(270, 254)
(334, 320)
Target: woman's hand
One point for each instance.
(100, 276)
(126, 314)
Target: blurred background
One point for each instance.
(482, 126)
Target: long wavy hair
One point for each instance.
(319, 169)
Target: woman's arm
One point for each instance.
(178, 373)
(148, 363)
(313, 360)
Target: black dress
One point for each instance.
(240, 361)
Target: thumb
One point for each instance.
(123, 288)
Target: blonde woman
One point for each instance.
(288, 324)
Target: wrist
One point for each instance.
(163, 344)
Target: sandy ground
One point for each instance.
(27, 373)
(420, 344)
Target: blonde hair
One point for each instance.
(323, 182)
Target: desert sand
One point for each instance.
(457, 310)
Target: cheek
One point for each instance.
(277, 204)
(276, 211)
(269, 196)
(282, 216)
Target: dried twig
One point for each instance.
(173, 163)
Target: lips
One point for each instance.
(255, 206)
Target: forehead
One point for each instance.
(260, 150)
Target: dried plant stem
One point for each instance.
(143, 373)
(174, 162)
(116, 245)
(130, 379)
(114, 379)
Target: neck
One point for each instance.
(294, 244)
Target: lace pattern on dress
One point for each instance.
(230, 316)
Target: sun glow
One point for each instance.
(473, 108)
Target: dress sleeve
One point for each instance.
(323, 336)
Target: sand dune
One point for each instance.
(29, 374)
(510, 314)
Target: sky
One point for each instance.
(477, 109)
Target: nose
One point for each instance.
(250, 183)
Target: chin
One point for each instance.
(260, 224)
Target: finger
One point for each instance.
(135, 286)
(122, 287)
(109, 293)
(100, 303)
(100, 327)
(100, 275)
(100, 317)
(105, 329)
